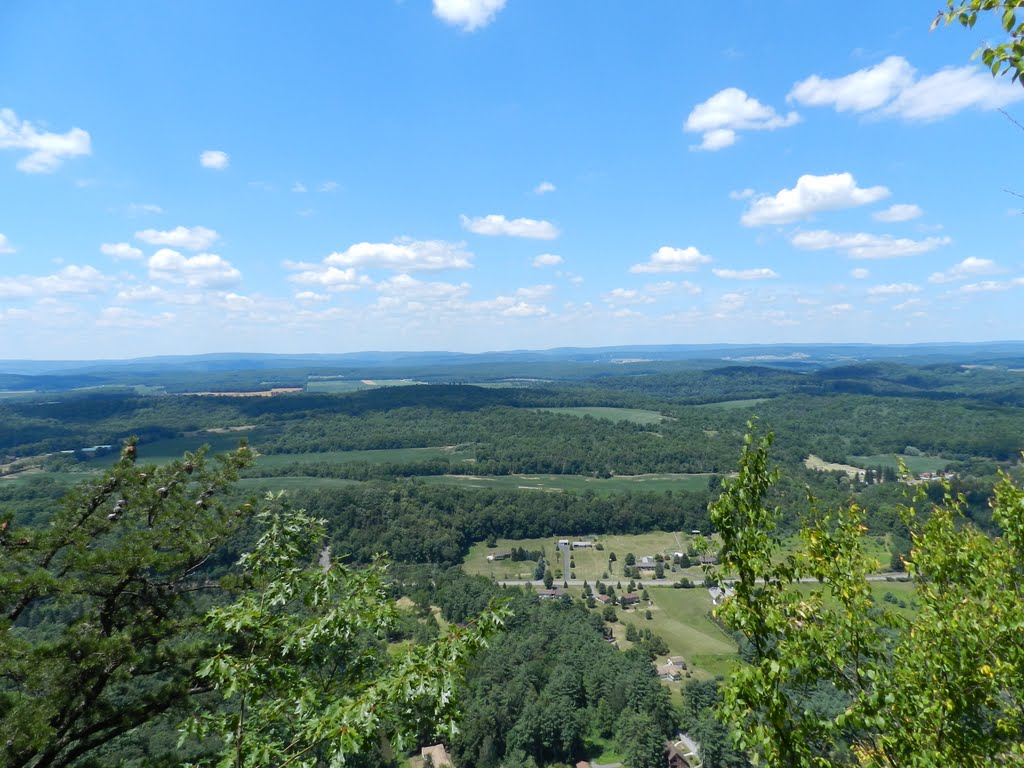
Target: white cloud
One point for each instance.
(71, 279)
(969, 267)
(729, 303)
(837, 308)
(893, 88)
(46, 150)
(547, 260)
(762, 273)
(866, 246)
(496, 224)
(331, 278)
(298, 186)
(627, 296)
(214, 159)
(468, 14)
(860, 273)
(898, 212)
(148, 293)
(812, 194)
(865, 89)
(408, 287)
(189, 238)
(204, 270)
(668, 286)
(235, 302)
(741, 194)
(5, 244)
(987, 286)
(667, 259)
(405, 254)
(328, 186)
(908, 304)
(543, 188)
(525, 309)
(728, 111)
(893, 289)
(309, 297)
(121, 251)
(139, 209)
(535, 292)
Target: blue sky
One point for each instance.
(186, 177)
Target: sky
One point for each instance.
(188, 177)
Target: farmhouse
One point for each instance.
(677, 661)
(668, 672)
(583, 545)
(549, 594)
(630, 598)
(498, 556)
(646, 563)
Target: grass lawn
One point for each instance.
(636, 415)
(916, 464)
(680, 617)
(556, 483)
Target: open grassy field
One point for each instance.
(916, 464)
(291, 483)
(383, 456)
(556, 483)
(680, 616)
(591, 564)
(732, 405)
(352, 385)
(635, 415)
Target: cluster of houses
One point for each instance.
(575, 544)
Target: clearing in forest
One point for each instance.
(635, 415)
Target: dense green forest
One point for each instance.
(379, 466)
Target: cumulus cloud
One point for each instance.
(46, 150)
(149, 293)
(762, 273)
(811, 195)
(893, 88)
(972, 266)
(408, 287)
(862, 245)
(470, 15)
(309, 297)
(189, 238)
(214, 159)
(204, 270)
(860, 273)
(328, 186)
(495, 224)
(988, 286)
(547, 260)
(71, 279)
(121, 251)
(627, 296)
(405, 254)
(893, 289)
(543, 188)
(898, 212)
(668, 286)
(741, 194)
(668, 259)
(331, 278)
(729, 111)
(5, 244)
